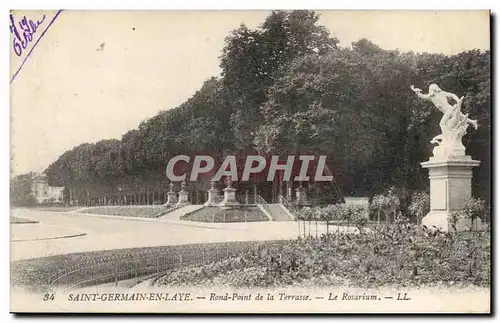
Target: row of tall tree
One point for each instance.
(288, 88)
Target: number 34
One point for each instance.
(48, 297)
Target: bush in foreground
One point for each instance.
(474, 209)
(400, 255)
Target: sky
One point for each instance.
(97, 74)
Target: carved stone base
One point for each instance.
(183, 198)
(213, 198)
(449, 151)
(229, 201)
(301, 193)
(450, 188)
(438, 219)
(171, 199)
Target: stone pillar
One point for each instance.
(229, 200)
(183, 195)
(301, 193)
(171, 196)
(213, 195)
(450, 188)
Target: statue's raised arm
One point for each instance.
(453, 96)
(418, 92)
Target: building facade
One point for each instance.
(43, 192)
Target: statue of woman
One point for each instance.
(453, 120)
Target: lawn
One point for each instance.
(144, 211)
(57, 208)
(216, 214)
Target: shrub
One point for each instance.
(330, 212)
(385, 204)
(306, 214)
(419, 206)
(474, 208)
(333, 212)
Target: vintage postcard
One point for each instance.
(250, 161)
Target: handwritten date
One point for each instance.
(24, 32)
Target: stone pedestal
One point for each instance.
(171, 196)
(450, 188)
(301, 194)
(289, 191)
(229, 200)
(183, 196)
(213, 195)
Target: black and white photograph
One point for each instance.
(250, 161)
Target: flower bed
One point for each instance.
(397, 255)
(98, 267)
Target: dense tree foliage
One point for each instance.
(287, 88)
(20, 191)
(253, 59)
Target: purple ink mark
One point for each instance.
(28, 28)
